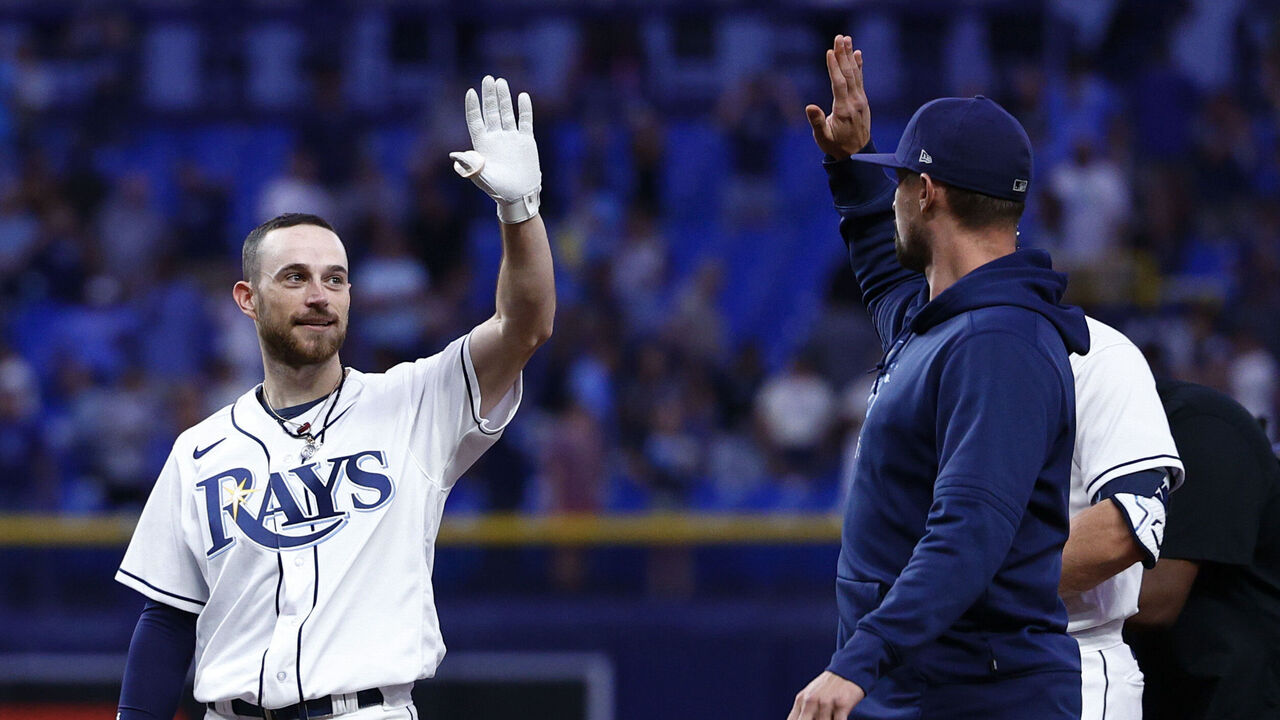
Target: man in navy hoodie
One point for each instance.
(947, 582)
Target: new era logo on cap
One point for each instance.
(1019, 185)
(925, 157)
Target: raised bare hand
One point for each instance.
(848, 128)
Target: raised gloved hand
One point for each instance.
(504, 161)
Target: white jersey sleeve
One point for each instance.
(449, 434)
(160, 563)
(1121, 427)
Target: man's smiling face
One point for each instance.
(303, 295)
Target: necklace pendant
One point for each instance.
(309, 449)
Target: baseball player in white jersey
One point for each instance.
(1125, 465)
(297, 526)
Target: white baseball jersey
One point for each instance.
(313, 577)
(1121, 428)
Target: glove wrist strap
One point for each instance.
(516, 211)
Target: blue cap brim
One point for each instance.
(888, 160)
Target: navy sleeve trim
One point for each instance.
(1145, 483)
(1089, 485)
(162, 591)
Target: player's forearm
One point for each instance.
(1099, 546)
(1165, 588)
(526, 297)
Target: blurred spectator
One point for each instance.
(796, 409)
(1095, 208)
(297, 190)
(368, 199)
(19, 383)
(200, 228)
(1254, 377)
(436, 223)
(29, 482)
(176, 343)
(753, 116)
(573, 473)
(736, 468)
(131, 231)
(591, 379)
(673, 452)
(639, 274)
(19, 230)
(696, 326)
(738, 386)
(113, 425)
(392, 291)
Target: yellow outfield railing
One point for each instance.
(497, 530)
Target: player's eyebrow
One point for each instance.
(303, 267)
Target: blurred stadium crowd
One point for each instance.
(710, 350)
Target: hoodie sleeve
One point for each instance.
(999, 411)
(864, 198)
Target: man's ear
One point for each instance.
(246, 299)
(929, 194)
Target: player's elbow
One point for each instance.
(541, 332)
(533, 335)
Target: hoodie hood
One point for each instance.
(1024, 278)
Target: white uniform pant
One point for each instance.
(1110, 683)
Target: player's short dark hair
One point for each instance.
(975, 211)
(250, 265)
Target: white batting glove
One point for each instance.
(504, 162)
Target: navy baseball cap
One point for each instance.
(971, 143)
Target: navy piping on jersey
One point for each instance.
(262, 672)
(1106, 687)
(162, 591)
(246, 433)
(1089, 486)
(329, 423)
(475, 415)
(315, 600)
(280, 564)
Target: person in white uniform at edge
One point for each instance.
(289, 540)
(1124, 467)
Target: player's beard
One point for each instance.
(281, 340)
(913, 244)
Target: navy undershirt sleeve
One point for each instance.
(1145, 483)
(164, 641)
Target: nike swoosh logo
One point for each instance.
(198, 453)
